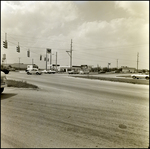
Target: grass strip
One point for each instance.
(20, 84)
(133, 81)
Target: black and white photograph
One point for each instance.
(74, 74)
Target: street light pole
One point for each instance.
(117, 63)
(108, 66)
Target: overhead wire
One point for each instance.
(79, 45)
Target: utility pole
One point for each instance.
(32, 61)
(137, 61)
(56, 61)
(5, 36)
(46, 59)
(108, 65)
(50, 61)
(49, 52)
(70, 54)
(19, 63)
(117, 63)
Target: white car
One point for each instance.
(73, 72)
(51, 71)
(84, 72)
(140, 76)
(44, 71)
(81, 72)
(3, 81)
(34, 71)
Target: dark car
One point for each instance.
(101, 71)
(6, 71)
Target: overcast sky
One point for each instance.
(101, 32)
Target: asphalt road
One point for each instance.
(67, 112)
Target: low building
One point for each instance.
(74, 67)
(19, 66)
(126, 69)
(63, 68)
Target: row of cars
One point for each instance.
(29, 72)
(78, 72)
(38, 72)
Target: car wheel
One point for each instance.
(2, 89)
(134, 77)
(28, 73)
(37, 73)
(147, 78)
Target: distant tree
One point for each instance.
(98, 68)
(143, 70)
(113, 69)
(9, 66)
(95, 69)
(105, 69)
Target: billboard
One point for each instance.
(48, 50)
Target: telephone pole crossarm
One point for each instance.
(68, 53)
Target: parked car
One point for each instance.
(73, 72)
(140, 76)
(34, 71)
(81, 72)
(51, 71)
(44, 71)
(117, 71)
(101, 71)
(84, 72)
(3, 81)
